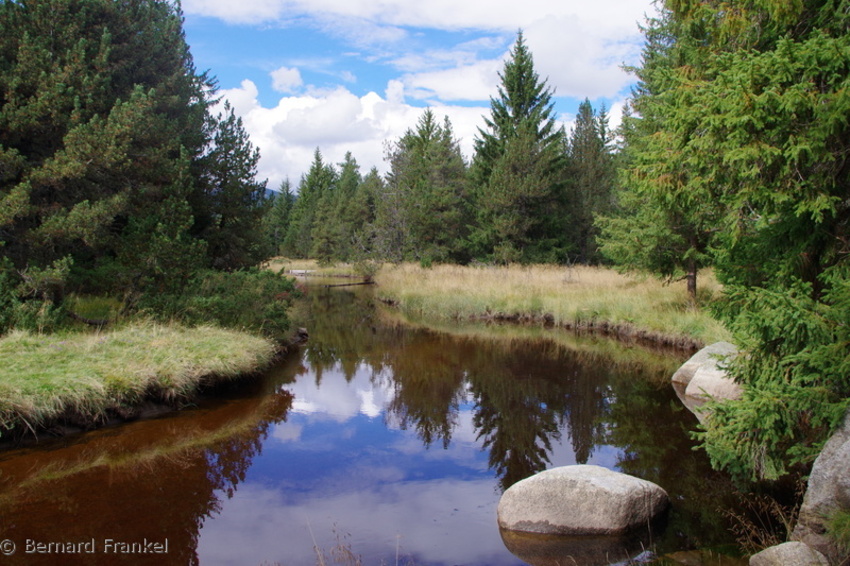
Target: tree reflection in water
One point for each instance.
(510, 395)
(153, 480)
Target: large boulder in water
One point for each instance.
(707, 356)
(580, 500)
(789, 554)
(702, 378)
(828, 491)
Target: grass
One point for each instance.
(838, 530)
(311, 265)
(85, 376)
(576, 297)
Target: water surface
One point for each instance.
(376, 438)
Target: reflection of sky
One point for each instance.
(339, 466)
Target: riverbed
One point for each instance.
(376, 440)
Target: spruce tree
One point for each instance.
(319, 180)
(591, 177)
(668, 211)
(276, 220)
(743, 139)
(428, 180)
(523, 109)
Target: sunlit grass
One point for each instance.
(45, 377)
(311, 266)
(578, 296)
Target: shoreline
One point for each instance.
(584, 300)
(623, 332)
(56, 385)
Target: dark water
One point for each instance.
(375, 439)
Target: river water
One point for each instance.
(375, 441)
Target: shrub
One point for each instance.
(32, 302)
(796, 374)
(251, 299)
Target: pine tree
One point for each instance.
(233, 202)
(523, 109)
(101, 116)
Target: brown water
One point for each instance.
(375, 439)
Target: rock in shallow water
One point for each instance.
(580, 500)
(789, 554)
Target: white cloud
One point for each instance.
(433, 521)
(471, 82)
(440, 14)
(286, 80)
(578, 47)
(336, 122)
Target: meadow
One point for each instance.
(580, 297)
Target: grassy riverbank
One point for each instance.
(576, 297)
(312, 267)
(86, 377)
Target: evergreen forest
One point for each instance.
(118, 177)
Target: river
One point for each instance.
(376, 441)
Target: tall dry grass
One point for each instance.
(579, 296)
(45, 377)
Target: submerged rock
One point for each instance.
(581, 500)
(554, 550)
(789, 554)
(828, 491)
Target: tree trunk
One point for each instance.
(692, 281)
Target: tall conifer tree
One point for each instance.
(523, 113)
(592, 177)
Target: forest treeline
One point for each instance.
(119, 177)
(530, 193)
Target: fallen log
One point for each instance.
(350, 284)
(89, 321)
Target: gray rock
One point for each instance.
(701, 378)
(710, 354)
(828, 491)
(580, 500)
(711, 382)
(789, 554)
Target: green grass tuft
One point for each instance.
(49, 377)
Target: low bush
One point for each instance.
(251, 299)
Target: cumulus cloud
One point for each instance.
(471, 82)
(286, 80)
(335, 122)
(578, 47)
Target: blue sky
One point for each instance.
(352, 75)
